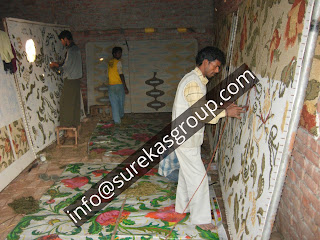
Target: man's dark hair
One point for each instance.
(116, 49)
(65, 34)
(211, 54)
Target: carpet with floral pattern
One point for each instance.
(123, 140)
(144, 216)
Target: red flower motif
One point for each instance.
(124, 152)
(50, 237)
(75, 182)
(110, 218)
(50, 201)
(274, 43)
(109, 125)
(90, 143)
(295, 22)
(307, 120)
(167, 214)
(23, 135)
(98, 173)
(7, 146)
(143, 137)
(243, 34)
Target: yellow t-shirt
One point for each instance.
(114, 71)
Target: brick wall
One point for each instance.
(298, 215)
(101, 14)
(100, 20)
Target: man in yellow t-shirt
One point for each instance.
(117, 85)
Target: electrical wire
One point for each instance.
(214, 153)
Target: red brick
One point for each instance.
(308, 194)
(318, 147)
(307, 211)
(299, 146)
(305, 203)
(296, 202)
(297, 191)
(302, 135)
(298, 157)
(315, 201)
(296, 212)
(305, 232)
(292, 175)
(316, 176)
(313, 157)
(309, 168)
(298, 170)
(318, 234)
(317, 219)
(292, 234)
(311, 224)
(312, 143)
(310, 183)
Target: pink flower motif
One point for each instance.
(167, 214)
(75, 182)
(110, 218)
(50, 201)
(143, 137)
(124, 152)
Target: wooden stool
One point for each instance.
(95, 110)
(76, 131)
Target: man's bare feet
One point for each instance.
(207, 227)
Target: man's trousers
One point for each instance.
(191, 173)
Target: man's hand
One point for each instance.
(234, 111)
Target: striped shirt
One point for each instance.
(192, 93)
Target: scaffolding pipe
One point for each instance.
(294, 121)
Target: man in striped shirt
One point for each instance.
(190, 90)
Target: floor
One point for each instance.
(28, 183)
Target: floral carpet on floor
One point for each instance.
(146, 214)
(110, 139)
